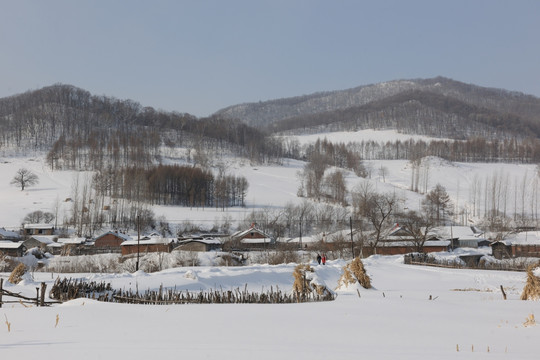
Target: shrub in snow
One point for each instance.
(283, 257)
(190, 274)
(17, 274)
(187, 258)
(531, 291)
(355, 272)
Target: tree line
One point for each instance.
(476, 149)
(172, 185)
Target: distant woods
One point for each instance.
(85, 132)
(171, 185)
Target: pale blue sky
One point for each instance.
(200, 56)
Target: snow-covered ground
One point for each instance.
(467, 317)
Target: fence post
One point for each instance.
(1, 290)
(37, 296)
(43, 290)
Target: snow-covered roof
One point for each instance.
(71, 241)
(208, 241)
(150, 241)
(5, 244)
(38, 226)
(305, 239)
(441, 243)
(8, 234)
(265, 240)
(125, 237)
(44, 239)
(461, 232)
(522, 238)
(245, 232)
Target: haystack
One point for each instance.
(301, 280)
(17, 274)
(306, 282)
(355, 272)
(531, 291)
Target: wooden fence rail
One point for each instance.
(39, 300)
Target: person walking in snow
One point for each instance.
(319, 258)
(323, 259)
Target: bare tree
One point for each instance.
(38, 216)
(418, 227)
(378, 212)
(383, 171)
(334, 184)
(24, 178)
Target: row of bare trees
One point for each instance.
(477, 149)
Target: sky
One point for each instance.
(200, 56)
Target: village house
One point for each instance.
(43, 242)
(147, 244)
(252, 238)
(38, 229)
(68, 246)
(12, 248)
(523, 244)
(199, 244)
(460, 236)
(9, 235)
(111, 239)
(397, 240)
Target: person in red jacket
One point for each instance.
(323, 259)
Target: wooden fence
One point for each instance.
(39, 300)
(68, 289)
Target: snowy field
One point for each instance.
(467, 318)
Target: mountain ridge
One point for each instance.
(267, 112)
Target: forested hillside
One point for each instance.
(86, 132)
(498, 100)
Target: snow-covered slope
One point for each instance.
(470, 185)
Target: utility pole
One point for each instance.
(300, 242)
(352, 242)
(138, 240)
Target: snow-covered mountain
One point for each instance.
(268, 112)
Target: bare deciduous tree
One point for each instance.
(38, 216)
(24, 178)
(418, 227)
